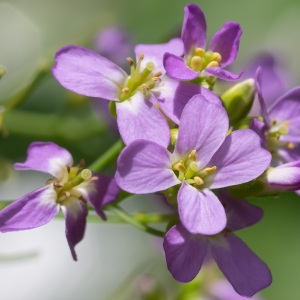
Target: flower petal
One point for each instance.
(75, 212)
(154, 53)
(247, 273)
(222, 74)
(85, 72)
(177, 69)
(200, 211)
(193, 28)
(259, 128)
(144, 167)
(46, 157)
(287, 108)
(100, 192)
(240, 159)
(184, 253)
(199, 131)
(32, 210)
(173, 95)
(138, 118)
(226, 42)
(240, 214)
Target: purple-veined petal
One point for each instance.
(138, 118)
(261, 98)
(193, 31)
(184, 253)
(172, 96)
(200, 211)
(285, 155)
(240, 214)
(85, 72)
(144, 167)
(75, 212)
(247, 273)
(199, 130)
(154, 53)
(226, 42)
(284, 177)
(259, 128)
(287, 108)
(177, 69)
(100, 192)
(47, 157)
(222, 74)
(240, 159)
(30, 211)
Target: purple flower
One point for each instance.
(204, 158)
(197, 62)
(70, 189)
(85, 72)
(185, 252)
(280, 130)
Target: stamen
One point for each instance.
(196, 63)
(131, 61)
(192, 155)
(198, 180)
(81, 164)
(67, 193)
(94, 178)
(125, 90)
(210, 170)
(145, 87)
(199, 52)
(290, 145)
(217, 57)
(179, 166)
(158, 74)
(155, 79)
(212, 64)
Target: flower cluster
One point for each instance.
(203, 152)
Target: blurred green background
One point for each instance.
(31, 30)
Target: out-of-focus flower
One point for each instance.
(204, 158)
(185, 252)
(70, 189)
(115, 43)
(197, 62)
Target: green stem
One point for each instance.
(107, 157)
(132, 221)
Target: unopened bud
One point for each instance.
(238, 100)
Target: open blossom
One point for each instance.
(70, 189)
(185, 252)
(86, 72)
(222, 50)
(204, 158)
(279, 131)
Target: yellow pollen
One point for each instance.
(199, 52)
(179, 166)
(192, 155)
(145, 87)
(290, 145)
(198, 180)
(210, 170)
(212, 64)
(217, 57)
(125, 90)
(131, 61)
(196, 63)
(155, 79)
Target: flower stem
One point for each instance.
(107, 157)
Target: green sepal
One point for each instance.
(238, 100)
(112, 109)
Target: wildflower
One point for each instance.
(70, 189)
(204, 158)
(185, 252)
(85, 72)
(197, 62)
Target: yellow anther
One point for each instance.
(199, 52)
(290, 145)
(192, 155)
(273, 122)
(94, 178)
(179, 166)
(145, 87)
(131, 61)
(196, 63)
(210, 170)
(198, 180)
(141, 57)
(286, 123)
(158, 74)
(155, 79)
(217, 57)
(125, 90)
(67, 193)
(212, 64)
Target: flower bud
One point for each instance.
(238, 100)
